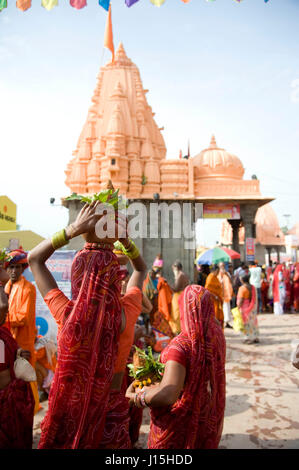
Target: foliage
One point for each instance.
(4, 256)
(107, 196)
(150, 366)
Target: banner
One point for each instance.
(59, 264)
(250, 249)
(221, 211)
(8, 214)
(78, 4)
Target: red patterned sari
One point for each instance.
(87, 349)
(16, 401)
(195, 421)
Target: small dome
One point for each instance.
(217, 163)
(268, 231)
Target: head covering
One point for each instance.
(87, 350)
(17, 257)
(158, 263)
(276, 280)
(202, 402)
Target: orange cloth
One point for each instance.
(108, 38)
(227, 288)
(213, 285)
(41, 357)
(57, 303)
(21, 314)
(132, 305)
(164, 298)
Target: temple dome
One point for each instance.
(217, 163)
(268, 231)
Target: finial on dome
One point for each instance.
(213, 144)
(110, 185)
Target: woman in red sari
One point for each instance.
(89, 329)
(289, 289)
(296, 288)
(247, 304)
(16, 398)
(187, 407)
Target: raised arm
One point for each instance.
(138, 265)
(85, 221)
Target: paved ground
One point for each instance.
(262, 404)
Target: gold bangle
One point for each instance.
(132, 252)
(59, 239)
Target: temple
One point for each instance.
(269, 237)
(121, 141)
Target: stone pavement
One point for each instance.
(262, 401)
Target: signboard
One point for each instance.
(8, 214)
(250, 249)
(221, 211)
(14, 244)
(59, 264)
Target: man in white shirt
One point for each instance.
(256, 281)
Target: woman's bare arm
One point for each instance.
(168, 391)
(139, 267)
(147, 306)
(85, 221)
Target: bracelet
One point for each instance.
(137, 402)
(135, 399)
(118, 247)
(59, 239)
(132, 251)
(142, 399)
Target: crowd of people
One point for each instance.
(277, 285)
(92, 400)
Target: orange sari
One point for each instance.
(213, 285)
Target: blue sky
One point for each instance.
(211, 67)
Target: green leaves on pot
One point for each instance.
(151, 365)
(108, 196)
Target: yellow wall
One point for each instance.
(25, 238)
(8, 214)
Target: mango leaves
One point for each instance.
(108, 196)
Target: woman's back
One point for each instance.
(200, 348)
